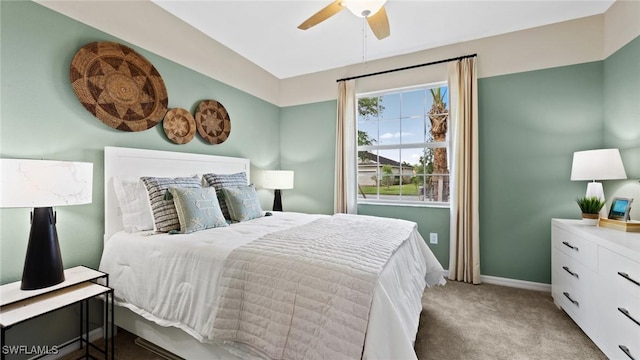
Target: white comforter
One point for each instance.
(173, 280)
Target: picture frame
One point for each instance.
(620, 207)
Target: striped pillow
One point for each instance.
(165, 217)
(220, 181)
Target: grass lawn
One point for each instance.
(407, 189)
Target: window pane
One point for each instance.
(435, 188)
(368, 108)
(368, 132)
(389, 132)
(440, 161)
(368, 174)
(413, 130)
(410, 157)
(389, 164)
(413, 103)
(390, 106)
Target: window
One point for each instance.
(403, 142)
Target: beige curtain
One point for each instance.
(346, 149)
(464, 258)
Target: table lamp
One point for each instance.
(41, 185)
(277, 180)
(593, 165)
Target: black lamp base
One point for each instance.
(43, 263)
(277, 200)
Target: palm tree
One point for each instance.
(438, 115)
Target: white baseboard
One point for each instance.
(94, 335)
(521, 284)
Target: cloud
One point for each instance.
(395, 135)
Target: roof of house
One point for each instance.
(376, 159)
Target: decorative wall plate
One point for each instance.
(118, 86)
(179, 125)
(213, 122)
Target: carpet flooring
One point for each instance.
(472, 322)
(491, 322)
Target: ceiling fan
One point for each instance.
(372, 10)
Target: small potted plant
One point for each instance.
(590, 207)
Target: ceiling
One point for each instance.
(266, 33)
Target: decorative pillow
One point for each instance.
(165, 217)
(134, 205)
(197, 209)
(220, 181)
(242, 202)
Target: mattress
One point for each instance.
(173, 280)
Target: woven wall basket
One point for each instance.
(118, 86)
(179, 125)
(213, 122)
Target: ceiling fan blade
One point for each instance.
(322, 15)
(379, 24)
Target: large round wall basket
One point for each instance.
(179, 125)
(213, 122)
(118, 86)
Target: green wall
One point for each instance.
(307, 146)
(42, 118)
(529, 126)
(622, 118)
(429, 220)
(622, 105)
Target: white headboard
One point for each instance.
(131, 164)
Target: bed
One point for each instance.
(175, 291)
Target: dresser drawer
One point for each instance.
(618, 333)
(575, 247)
(619, 274)
(573, 290)
(619, 330)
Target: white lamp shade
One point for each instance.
(277, 179)
(44, 183)
(601, 164)
(363, 8)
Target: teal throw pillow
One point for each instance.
(242, 202)
(197, 209)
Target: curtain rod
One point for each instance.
(407, 67)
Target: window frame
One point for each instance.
(420, 145)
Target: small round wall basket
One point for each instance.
(213, 122)
(118, 86)
(179, 125)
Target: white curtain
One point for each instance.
(464, 256)
(346, 149)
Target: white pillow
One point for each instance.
(134, 205)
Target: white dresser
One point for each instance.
(595, 278)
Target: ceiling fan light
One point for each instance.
(363, 8)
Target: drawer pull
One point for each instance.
(566, 294)
(626, 276)
(570, 246)
(625, 312)
(566, 268)
(626, 351)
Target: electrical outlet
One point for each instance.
(433, 238)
